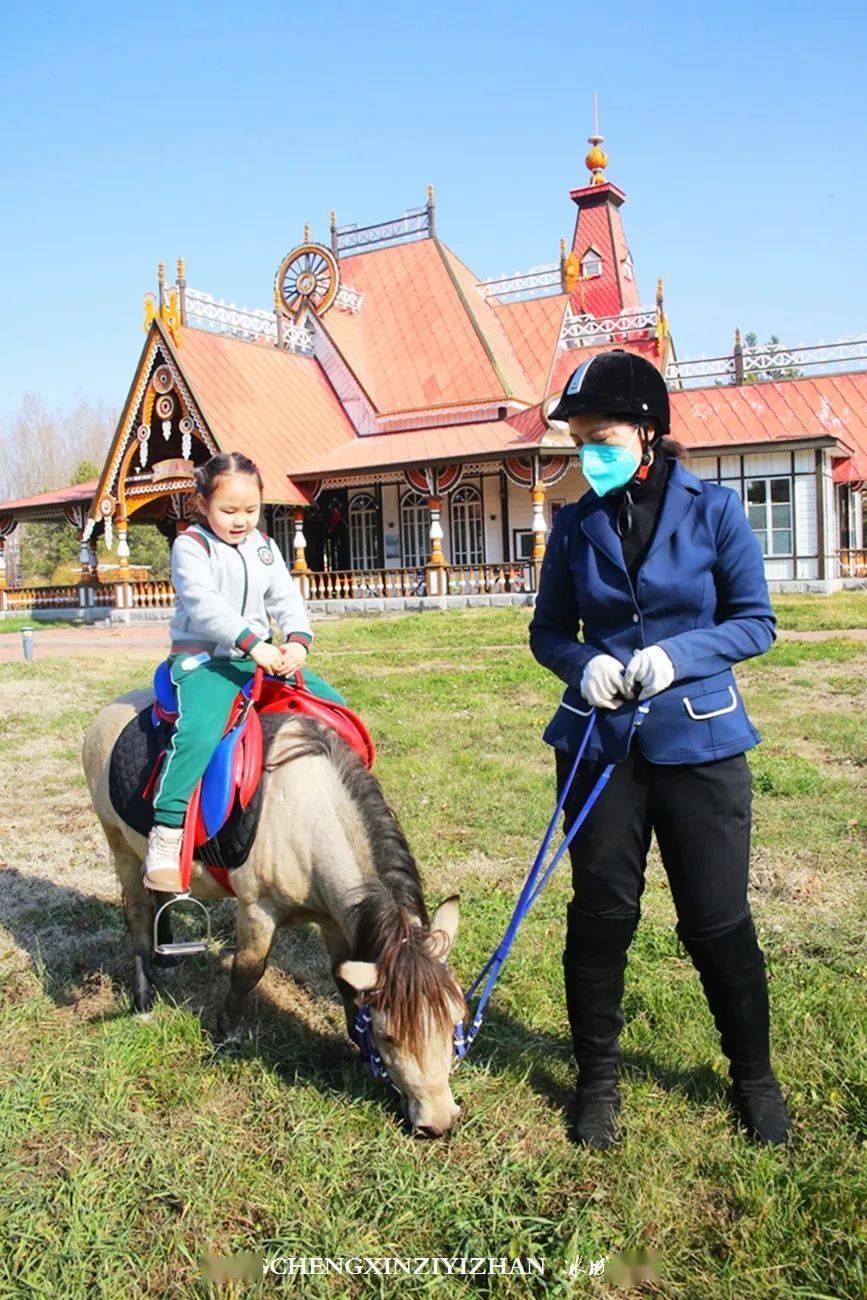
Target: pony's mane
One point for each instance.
(411, 974)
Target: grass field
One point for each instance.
(130, 1150)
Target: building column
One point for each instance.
(3, 583)
(436, 565)
(300, 567)
(85, 578)
(538, 495)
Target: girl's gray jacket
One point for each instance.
(225, 594)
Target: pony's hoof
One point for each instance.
(166, 961)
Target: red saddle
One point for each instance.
(235, 769)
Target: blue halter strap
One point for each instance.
(533, 886)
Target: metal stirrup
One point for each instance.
(184, 948)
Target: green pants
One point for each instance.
(205, 694)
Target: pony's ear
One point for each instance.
(362, 975)
(445, 919)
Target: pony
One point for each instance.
(329, 850)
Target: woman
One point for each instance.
(665, 577)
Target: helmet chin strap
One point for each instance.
(625, 515)
(646, 455)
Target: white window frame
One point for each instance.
(592, 258)
(765, 533)
(467, 519)
(414, 530)
(363, 532)
(283, 519)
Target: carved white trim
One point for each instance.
(545, 278)
(584, 330)
(766, 358)
(349, 299)
(206, 312)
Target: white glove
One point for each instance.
(602, 682)
(652, 669)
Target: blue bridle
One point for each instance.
(536, 881)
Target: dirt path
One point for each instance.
(148, 641)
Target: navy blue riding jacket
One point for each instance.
(700, 593)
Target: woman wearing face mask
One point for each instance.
(665, 578)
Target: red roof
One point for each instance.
(59, 497)
(533, 327)
(417, 342)
(832, 406)
(851, 470)
(276, 406)
(513, 437)
(600, 226)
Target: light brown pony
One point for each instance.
(328, 849)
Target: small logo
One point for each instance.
(266, 555)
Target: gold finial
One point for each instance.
(597, 159)
(333, 217)
(161, 273)
(659, 292)
(737, 338)
(150, 311)
(430, 193)
(180, 268)
(562, 248)
(572, 272)
(306, 232)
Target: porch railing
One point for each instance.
(348, 584)
(363, 584)
(853, 562)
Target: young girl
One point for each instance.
(228, 579)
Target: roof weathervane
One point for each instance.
(597, 159)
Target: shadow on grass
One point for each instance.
(80, 942)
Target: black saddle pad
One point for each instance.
(132, 761)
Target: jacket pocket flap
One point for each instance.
(711, 705)
(576, 703)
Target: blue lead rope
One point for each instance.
(534, 884)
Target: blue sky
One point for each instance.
(131, 134)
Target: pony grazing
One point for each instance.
(327, 849)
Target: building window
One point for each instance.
(414, 529)
(284, 532)
(364, 532)
(522, 544)
(769, 510)
(591, 263)
(628, 267)
(468, 538)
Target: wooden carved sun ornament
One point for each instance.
(308, 277)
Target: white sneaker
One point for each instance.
(161, 868)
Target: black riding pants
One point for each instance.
(701, 815)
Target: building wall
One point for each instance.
(806, 474)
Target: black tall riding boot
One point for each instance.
(593, 997)
(732, 971)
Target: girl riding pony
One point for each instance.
(229, 580)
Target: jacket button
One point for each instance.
(635, 618)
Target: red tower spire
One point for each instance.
(600, 254)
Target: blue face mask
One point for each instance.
(607, 467)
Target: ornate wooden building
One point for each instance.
(398, 409)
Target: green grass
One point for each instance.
(130, 1150)
(15, 624)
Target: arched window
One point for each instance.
(284, 532)
(591, 263)
(414, 529)
(364, 532)
(468, 534)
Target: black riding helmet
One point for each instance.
(616, 383)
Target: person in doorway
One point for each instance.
(230, 580)
(665, 577)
